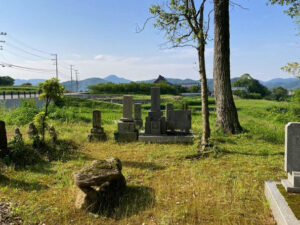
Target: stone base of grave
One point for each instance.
(281, 211)
(97, 135)
(126, 137)
(168, 138)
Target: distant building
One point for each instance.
(190, 85)
(161, 79)
(240, 89)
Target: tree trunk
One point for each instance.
(204, 95)
(227, 117)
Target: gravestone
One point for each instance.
(292, 157)
(3, 140)
(155, 122)
(178, 119)
(127, 131)
(176, 129)
(138, 115)
(97, 132)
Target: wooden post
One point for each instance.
(18, 94)
(12, 95)
(24, 94)
(3, 95)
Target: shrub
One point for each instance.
(23, 115)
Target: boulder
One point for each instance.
(101, 184)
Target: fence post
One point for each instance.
(24, 94)
(18, 94)
(12, 95)
(3, 95)
(29, 94)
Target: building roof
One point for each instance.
(161, 79)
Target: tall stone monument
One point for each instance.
(155, 122)
(97, 132)
(292, 157)
(138, 115)
(3, 140)
(127, 131)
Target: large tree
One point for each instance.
(184, 24)
(227, 117)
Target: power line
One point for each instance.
(27, 52)
(27, 46)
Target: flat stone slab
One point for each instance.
(281, 211)
(181, 138)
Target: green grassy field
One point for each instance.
(163, 186)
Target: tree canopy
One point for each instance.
(6, 81)
(253, 85)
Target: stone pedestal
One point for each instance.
(127, 131)
(3, 140)
(97, 132)
(292, 157)
(138, 116)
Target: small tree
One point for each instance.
(51, 91)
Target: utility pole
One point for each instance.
(76, 72)
(1, 41)
(56, 64)
(71, 69)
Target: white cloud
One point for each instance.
(99, 57)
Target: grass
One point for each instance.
(292, 199)
(163, 186)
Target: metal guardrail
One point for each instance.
(18, 95)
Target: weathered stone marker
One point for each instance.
(292, 157)
(155, 122)
(97, 132)
(127, 108)
(3, 140)
(107, 176)
(138, 115)
(127, 131)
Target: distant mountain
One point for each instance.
(115, 79)
(83, 84)
(288, 83)
(34, 82)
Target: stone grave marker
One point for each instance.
(97, 132)
(127, 131)
(3, 140)
(138, 115)
(292, 157)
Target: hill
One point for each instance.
(83, 84)
(115, 79)
(289, 83)
(34, 82)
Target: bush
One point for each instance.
(245, 95)
(23, 115)
(135, 88)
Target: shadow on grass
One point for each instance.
(143, 165)
(134, 200)
(259, 153)
(19, 184)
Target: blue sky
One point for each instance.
(99, 38)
